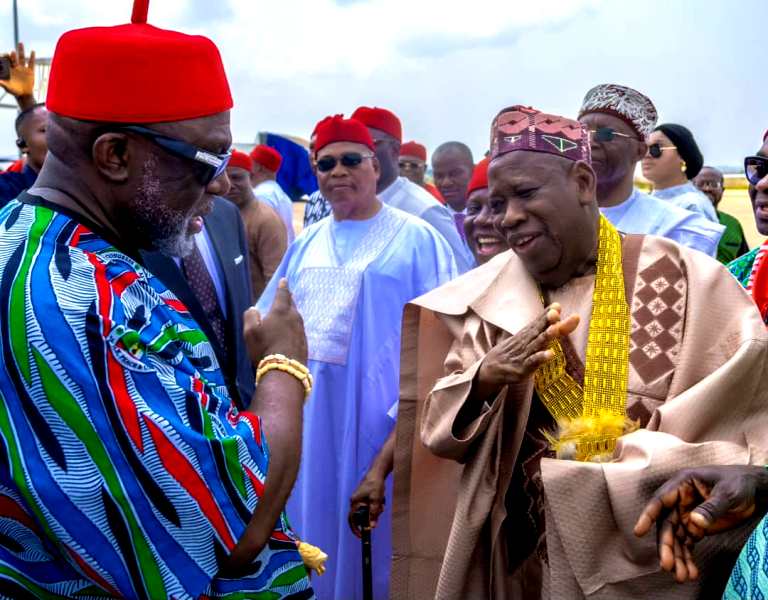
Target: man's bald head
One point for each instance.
(710, 181)
(452, 166)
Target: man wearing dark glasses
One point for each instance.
(135, 474)
(752, 268)
(351, 275)
(619, 119)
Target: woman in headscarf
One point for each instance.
(672, 161)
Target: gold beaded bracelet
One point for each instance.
(282, 363)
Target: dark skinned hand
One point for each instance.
(699, 502)
(280, 332)
(516, 358)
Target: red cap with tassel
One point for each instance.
(136, 73)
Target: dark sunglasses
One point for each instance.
(608, 134)
(213, 165)
(348, 159)
(755, 168)
(656, 149)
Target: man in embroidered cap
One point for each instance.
(264, 229)
(397, 191)
(266, 163)
(547, 361)
(351, 275)
(413, 166)
(619, 120)
(129, 471)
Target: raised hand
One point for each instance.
(698, 502)
(22, 80)
(280, 332)
(517, 357)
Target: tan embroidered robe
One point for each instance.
(698, 383)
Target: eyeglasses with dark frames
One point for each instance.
(756, 168)
(655, 150)
(608, 134)
(213, 164)
(352, 160)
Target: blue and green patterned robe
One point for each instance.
(126, 471)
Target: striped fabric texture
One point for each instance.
(125, 470)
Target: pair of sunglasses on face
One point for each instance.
(608, 134)
(755, 168)
(348, 159)
(210, 164)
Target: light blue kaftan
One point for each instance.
(646, 214)
(350, 281)
(689, 197)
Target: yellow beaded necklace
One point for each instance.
(590, 420)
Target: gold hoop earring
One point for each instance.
(683, 167)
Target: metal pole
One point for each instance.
(15, 25)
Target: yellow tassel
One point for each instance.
(589, 438)
(314, 558)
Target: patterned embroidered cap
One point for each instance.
(524, 128)
(629, 105)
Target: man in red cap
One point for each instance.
(480, 228)
(265, 231)
(546, 393)
(130, 473)
(413, 166)
(266, 163)
(399, 192)
(351, 274)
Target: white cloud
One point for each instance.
(447, 66)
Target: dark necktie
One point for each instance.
(459, 219)
(201, 283)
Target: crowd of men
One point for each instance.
(529, 379)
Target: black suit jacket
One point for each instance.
(227, 234)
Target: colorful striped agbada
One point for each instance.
(128, 471)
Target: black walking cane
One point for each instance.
(362, 520)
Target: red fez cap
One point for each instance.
(414, 149)
(338, 129)
(380, 118)
(268, 157)
(136, 73)
(525, 128)
(240, 159)
(479, 179)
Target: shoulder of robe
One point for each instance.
(455, 297)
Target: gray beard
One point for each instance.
(166, 228)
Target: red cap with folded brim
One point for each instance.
(339, 129)
(479, 179)
(381, 119)
(267, 157)
(241, 160)
(414, 149)
(136, 73)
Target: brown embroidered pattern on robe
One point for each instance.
(658, 315)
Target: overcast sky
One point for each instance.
(447, 67)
